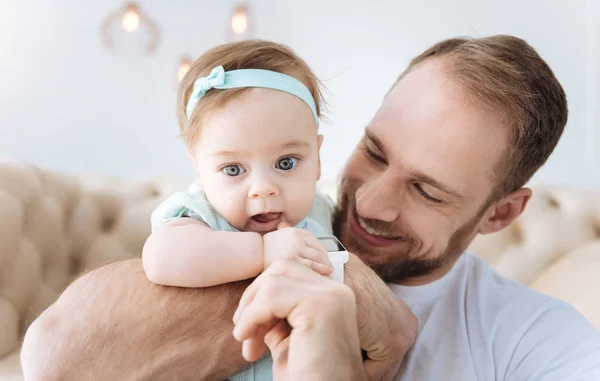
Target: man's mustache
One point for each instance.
(385, 228)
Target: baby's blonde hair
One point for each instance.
(249, 54)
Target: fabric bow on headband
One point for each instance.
(221, 79)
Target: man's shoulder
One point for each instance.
(500, 299)
(527, 328)
(490, 286)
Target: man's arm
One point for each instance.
(114, 324)
(387, 328)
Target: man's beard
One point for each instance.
(405, 266)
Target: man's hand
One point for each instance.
(300, 245)
(386, 326)
(307, 320)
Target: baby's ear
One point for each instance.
(319, 142)
(197, 181)
(191, 155)
(193, 158)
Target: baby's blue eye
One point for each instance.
(233, 170)
(286, 163)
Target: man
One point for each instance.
(445, 158)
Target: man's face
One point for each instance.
(416, 187)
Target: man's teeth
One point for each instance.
(372, 231)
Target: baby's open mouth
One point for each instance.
(264, 218)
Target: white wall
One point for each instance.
(69, 104)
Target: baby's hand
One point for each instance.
(288, 242)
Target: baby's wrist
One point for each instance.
(257, 251)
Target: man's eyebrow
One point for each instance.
(417, 175)
(421, 177)
(378, 144)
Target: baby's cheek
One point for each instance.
(226, 203)
(301, 201)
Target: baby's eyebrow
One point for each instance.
(296, 144)
(225, 153)
(292, 144)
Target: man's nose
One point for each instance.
(378, 199)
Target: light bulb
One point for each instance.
(184, 66)
(131, 20)
(239, 21)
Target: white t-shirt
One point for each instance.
(477, 325)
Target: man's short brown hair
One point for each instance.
(506, 74)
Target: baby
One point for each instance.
(249, 113)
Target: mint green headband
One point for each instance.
(220, 79)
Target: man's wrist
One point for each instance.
(355, 271)
(338, 357)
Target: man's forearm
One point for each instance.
(113, 323)
(387, 328)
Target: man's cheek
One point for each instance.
(355, 169)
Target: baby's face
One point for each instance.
(257, 159)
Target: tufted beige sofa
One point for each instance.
(52, 227)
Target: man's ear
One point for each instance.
(505, 211)
(319, 142)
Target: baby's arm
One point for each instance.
(187, 253)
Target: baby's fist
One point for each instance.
(288, 242)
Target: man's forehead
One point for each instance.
(425, 124)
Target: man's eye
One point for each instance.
(373, 155)
(424, 194)
(233, 170)
(286, 163)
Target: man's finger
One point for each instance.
(278, 341)
(288, 268)
(254, 347)
(391, 373)
(276, 336)
(247, 297)
(382, 370)
(375, 369)
(251, 291)
(274, 301)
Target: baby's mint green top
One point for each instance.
(194, 204)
